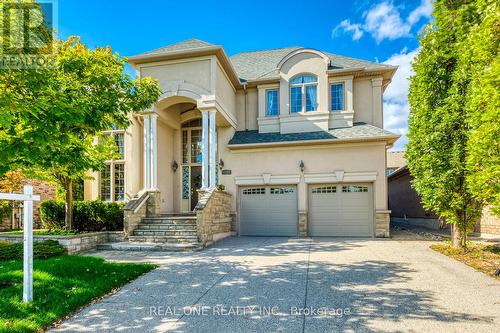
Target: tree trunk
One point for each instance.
(68, 216)
(456, 236)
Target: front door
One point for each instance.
(191, 163)
(195, 185)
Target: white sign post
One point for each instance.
(28, 199)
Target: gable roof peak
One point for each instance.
(188, 44)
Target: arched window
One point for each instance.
(303, 93)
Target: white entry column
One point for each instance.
(150, 151)
(213, 149)
(204, 149)
(147, 151)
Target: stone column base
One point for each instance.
(302, 224)
(382, 222)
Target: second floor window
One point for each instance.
(303, 93)
(337, 96)
(272, 102)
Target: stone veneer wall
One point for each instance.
(302, 224)
(72, 244)
(382, 222)
(213, 216)
(489, 223)
(45, 190)
(132, 218)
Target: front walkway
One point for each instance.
(262, 284)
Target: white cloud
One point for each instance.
(422, 11)
(396, 108)
(384, 21)
(346, 25)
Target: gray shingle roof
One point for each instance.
(189, 44)
(262, 64)
(360, 130)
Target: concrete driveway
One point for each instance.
(294, 285)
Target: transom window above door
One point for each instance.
(191, 142)
(303, 93)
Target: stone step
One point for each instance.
(143, 246)
(170, 220)
(165, 232)
(177, 214)
(164, 239)
(167, 226)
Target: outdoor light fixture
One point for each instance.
(175, 166)
(301, 165)
(221, 164)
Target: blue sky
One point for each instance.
(383, 31)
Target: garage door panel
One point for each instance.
(341, 210)
(268, 211)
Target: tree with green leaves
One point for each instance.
(444, 116)
(51, 118)
(480, 57)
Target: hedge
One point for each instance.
(5, 209)
(41, 250)
(87, 215)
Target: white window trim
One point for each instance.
(344, 95)
(111, 164)
(265, 102)
(303, 93)
(347, 81)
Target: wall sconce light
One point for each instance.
(221, 164)
(175, 166)
(301, 165)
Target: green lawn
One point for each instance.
(61, 286)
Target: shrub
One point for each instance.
(5, 209)
(87, 215)
(52, 214)
(41, 250)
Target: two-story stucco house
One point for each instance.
(295, 135)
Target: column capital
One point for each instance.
(377, 82)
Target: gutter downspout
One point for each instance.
(246, 94)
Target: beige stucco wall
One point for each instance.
(196, 71)
(362, 100)
(165, 174)
(361, 157)
(250, 122)
(225, 92)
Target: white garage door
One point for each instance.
(341, 210)
(268, 211)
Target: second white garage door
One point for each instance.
(268, 211)
(341, 210)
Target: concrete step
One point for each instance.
(165, 232)
(144, 246)
(164, 239)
